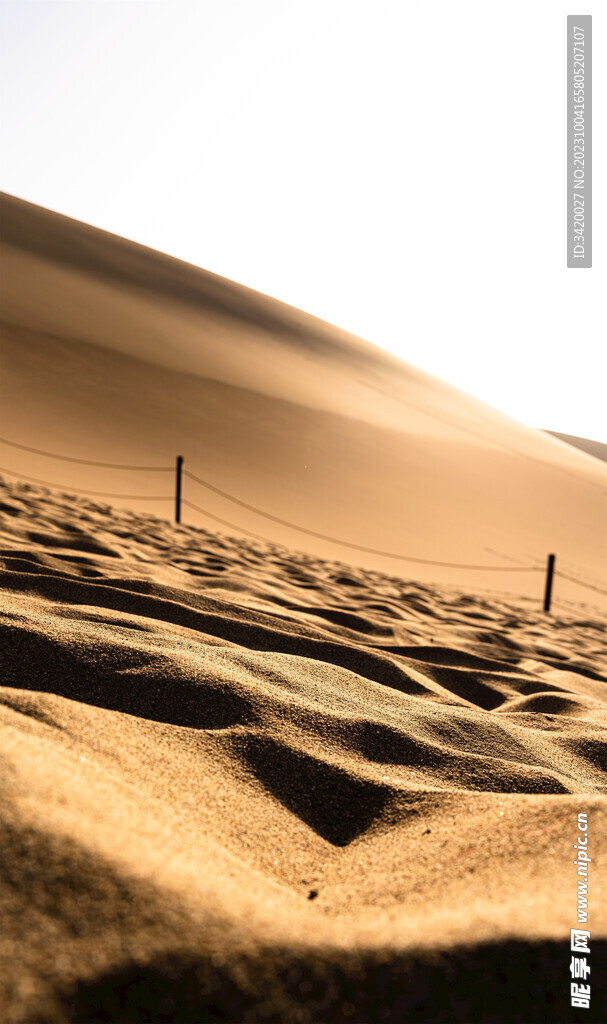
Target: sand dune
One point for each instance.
(597, 449)
(115, 353)
(327, 773)
(245, 784)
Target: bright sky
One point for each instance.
(394, 167)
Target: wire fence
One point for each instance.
(86, 462)
(357, 547)
(581, 583)
(87, 490)
(224, 522)
(179, 501)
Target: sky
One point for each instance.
(396, 168)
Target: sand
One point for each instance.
(597, 449)
(281, 777)
(115, 353)
(245, 784)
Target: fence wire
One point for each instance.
(357, 547)
(87, 490)
(581, 583)
(86, 462)
(257, 511)
(224, 522)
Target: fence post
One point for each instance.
(179, 468)
(549, 575)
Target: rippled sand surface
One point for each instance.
(240, 783)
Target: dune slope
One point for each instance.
(597, 449)
(114, 353)
(242, 783)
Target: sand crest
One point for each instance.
(242, 783)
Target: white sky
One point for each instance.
(394, 167)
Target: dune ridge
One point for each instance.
(597, 449)
(245, 783)
(113, 352)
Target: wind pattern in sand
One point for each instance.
(242, 783)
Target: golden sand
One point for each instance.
(284, 779)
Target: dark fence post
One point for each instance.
(178, 489)
(549, 575)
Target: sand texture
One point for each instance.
(323, 765)
(246, 784)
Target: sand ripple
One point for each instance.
(245, 784)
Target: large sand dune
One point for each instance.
(284, 779)
(116, 353)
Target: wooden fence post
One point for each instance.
(549, 575)
(179, 469)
